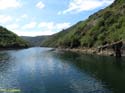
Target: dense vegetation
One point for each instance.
(10, 40)
(103, 27)
(34, 41)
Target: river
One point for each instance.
(43, 70)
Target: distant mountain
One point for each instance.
(104, 27)
(9, 39)
(34, 41)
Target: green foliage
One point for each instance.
(105, 26)
(34, 41)
(86, 41)
(69, 41)
(9, 39)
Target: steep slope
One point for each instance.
(10, 40)
(35, 41)
(104, 27)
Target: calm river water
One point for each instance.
(42, 70)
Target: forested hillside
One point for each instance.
(104, 27)
(34, 41)
(10, 40)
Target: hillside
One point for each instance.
(34, 41)
(104, 27)
(10, 40)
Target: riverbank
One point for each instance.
(114, 49)
(12, 48)
(92, 51)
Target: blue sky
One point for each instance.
(45, 17)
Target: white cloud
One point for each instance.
(62, 26)
(30, 25)
(4, 19)
(54, 26)
(47, 25)
(24, 16)
(32, 33)
(35, 29)
(85, 5)
(5, 4)
(44, 28)
(12, 26)
(40, 5)
(38, 33)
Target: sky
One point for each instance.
(46, 17)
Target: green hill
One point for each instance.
(34, 41)
(104, 27)
(10, 40)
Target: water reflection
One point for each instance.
(119, 63)
(39, 70)
(110, 70)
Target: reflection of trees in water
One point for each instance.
(118, 63)
(110, 70)
(4, 63)
(3, 56)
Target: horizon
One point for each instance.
(43, 17)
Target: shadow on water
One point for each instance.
(110, 70)
(119, 63)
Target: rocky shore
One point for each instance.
(92, 51)
(115, 49)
